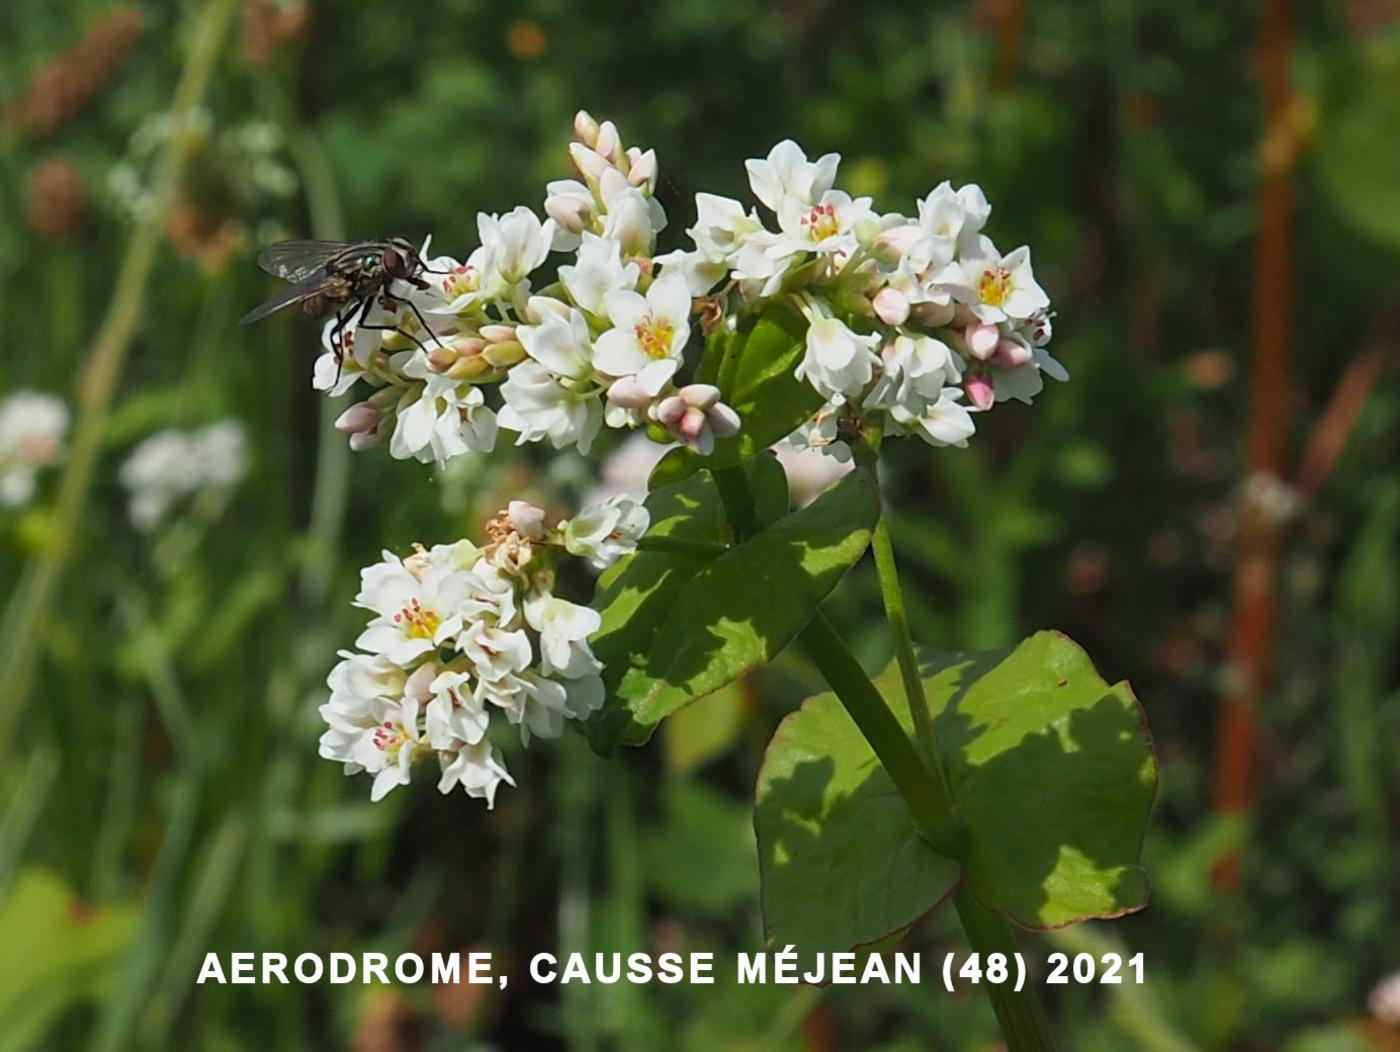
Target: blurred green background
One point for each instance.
(1211, 507)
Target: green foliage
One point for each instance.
(59, 952)
(709, 622)
(1051, 772)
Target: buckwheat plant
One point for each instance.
(1017, 782)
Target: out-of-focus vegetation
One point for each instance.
(159, 791)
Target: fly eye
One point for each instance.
(392, 261)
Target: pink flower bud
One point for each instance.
(933, 315)
(441, 359)
(527, 519)
(670, 410)
(571, 213)
(362, 440)
(723, 420)
(692, 423)
(892, 306)
(629, 393)
(609, 144)
(1011, 353)
(979, 390)
(497, 333)
(585, 128)
(981, 340)
(699, 396)
(359, 418)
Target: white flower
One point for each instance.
(648, 335)
(495, 653)
(539, 406)
(573, 208)
(603, 533)
(787, 174)
(560, 342)
(598, 271)
(515, 244)
(721, 227)
(809, 471)
(454, 716)
(997, 288)
(821, 434)
(417, 614)
(383, 740)
(633, 221)
(826, 226)
(444, 419)
(478, 769)
(564, 628)
(170, 465)
(915, 371)
(32, 428)
(838, 362)
(946, 422)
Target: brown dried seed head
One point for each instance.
(61, 87)
(56, 198)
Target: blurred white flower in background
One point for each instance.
(32, 429)
(1384, 1001)
(809, 471)
(171, 465)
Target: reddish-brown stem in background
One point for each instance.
(1256, 606)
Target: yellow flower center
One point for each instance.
(417, 622)
(994, 286)
(821, 223)
(462, 279)
(388, 738)
(654, 336)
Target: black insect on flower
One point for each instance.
(344, 277)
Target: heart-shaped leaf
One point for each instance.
(1050, 768)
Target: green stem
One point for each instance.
(861, 698)
(1021, 1016)
(99, 380)
(893, 598)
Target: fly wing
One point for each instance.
(303, 290)
(296, 261)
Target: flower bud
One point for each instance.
(629, 393)
(891, 306)
(934, 315)
(570, 212)
(468, 368)
(585, 128)
(442, 359)
(981, 340)
(609, 143)
(359, 418)
(589, 164)
(699, 396)
(505, 354)
(670, 410)
(497, 333)
(691, 424)
(527, 519)
(897, 240)
(643, 171)
(1011, 353)
(723, 420)
(363, 440)
(979, 390)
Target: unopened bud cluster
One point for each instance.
(464, 636)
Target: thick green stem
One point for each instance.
(1021, 1016)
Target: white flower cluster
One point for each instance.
(32, 429)
(462, 633)
(919, 320)
(906, 316)
(601, 344)
(171, 465)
